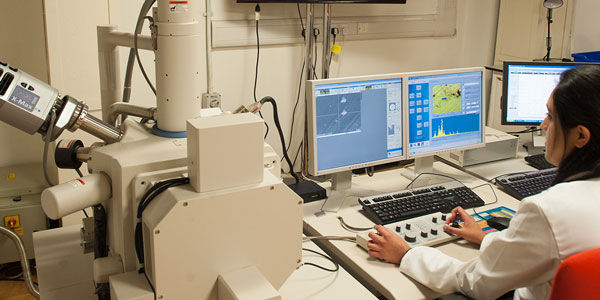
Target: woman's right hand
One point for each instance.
(470, 230)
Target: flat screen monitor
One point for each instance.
(445, 111)
(354, 122)
(526, 87)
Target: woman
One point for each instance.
(547, 228)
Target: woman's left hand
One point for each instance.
(387, 245)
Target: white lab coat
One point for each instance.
(546, 229)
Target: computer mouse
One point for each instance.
(498, 223)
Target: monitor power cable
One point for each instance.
(257, 18)
(280, 131)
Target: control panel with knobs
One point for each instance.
(422, 231)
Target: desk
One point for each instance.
(309, 282)
(491, 170)
(383, 278)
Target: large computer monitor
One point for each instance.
(525, 90)
(354, 122)
(445, 111)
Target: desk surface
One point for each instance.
(309, 282)
(385, 278)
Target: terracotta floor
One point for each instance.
(14, 290)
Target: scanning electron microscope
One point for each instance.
(181, 199)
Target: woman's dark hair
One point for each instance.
(577, 102)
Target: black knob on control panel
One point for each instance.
(443, 217)
(424, 234)
(411, 238)
(408, 226)
(434, 220)
(434, 231)
(398, 228)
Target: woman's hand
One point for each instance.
(387, 245)
(470, 231)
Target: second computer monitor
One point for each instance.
(445, 111)
(526, 88)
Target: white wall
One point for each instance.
(22, 44)
(586, 32)
(473, 45)
(279, 70)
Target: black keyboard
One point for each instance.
(539, 161)
(406, 204)
(525, 184)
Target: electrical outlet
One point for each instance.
(211, 100)
(363, 27)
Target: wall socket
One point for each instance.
(211, 100)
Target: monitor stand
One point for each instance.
(425, 165)
(342, 189)
(537, 145)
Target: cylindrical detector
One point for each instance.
(26, 102)
(179, 64)
(71, 196)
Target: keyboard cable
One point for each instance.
(485, 204)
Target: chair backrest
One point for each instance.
(578, 277)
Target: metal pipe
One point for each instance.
(120, 108)
(24, 262)
(100, 129)
(326, 36)
(308, 37)
(209, 66)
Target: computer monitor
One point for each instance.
(354, 122)
(526, 87)
(445, 111)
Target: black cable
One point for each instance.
(548, 46)
(297, 152)
(370, 170)
(257, 11)
(278, 125)
(300, 80)
(149, 283)
(337, 266)
(333, 44)
(427, 173)
(528, 130)
(135, 44)
(146, 199)
(295, 107)
(303, 33)
(316, 34)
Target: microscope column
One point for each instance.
(180, 64)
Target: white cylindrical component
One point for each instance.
(109, 66)
(180, 70)
(69, 197)
(107, 266)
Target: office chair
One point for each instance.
(578, 277)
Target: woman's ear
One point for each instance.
(583, 136)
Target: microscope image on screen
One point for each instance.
(339, 114)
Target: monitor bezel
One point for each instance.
(505, 75)
(444, 72)
(311, 123)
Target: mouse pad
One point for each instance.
(501, 211)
